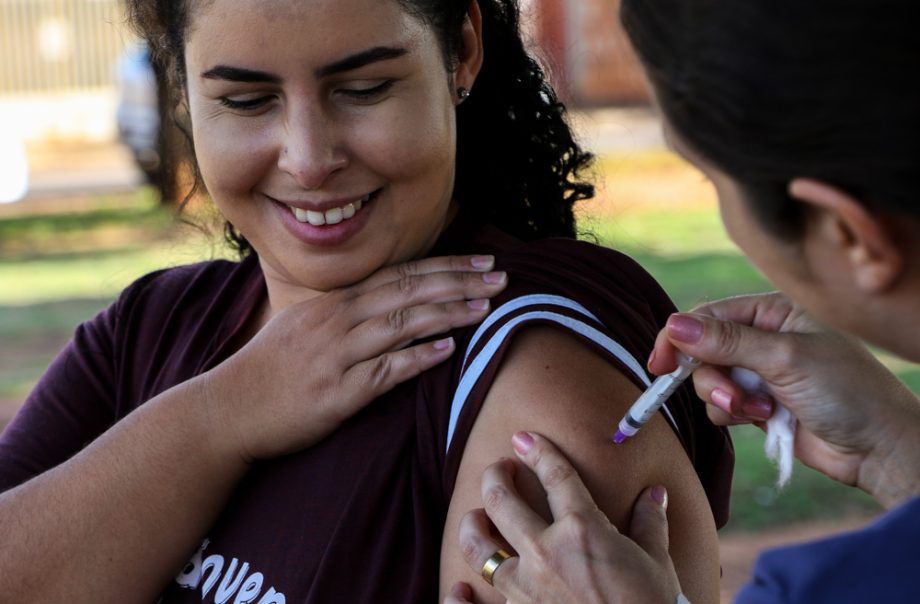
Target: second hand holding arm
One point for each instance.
(580, 556)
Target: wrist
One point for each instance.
(212, 420)
(891, 472)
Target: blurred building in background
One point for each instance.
(73, 75)
(58, 60)
(586, 51)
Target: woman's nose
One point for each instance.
(311, 151)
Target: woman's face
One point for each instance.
(782, 262)
(324, 131)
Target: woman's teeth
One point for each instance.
(332, 216)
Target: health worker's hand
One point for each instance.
(318, 362)
(858, 423)
(580, 556)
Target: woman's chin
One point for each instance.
(290, 285)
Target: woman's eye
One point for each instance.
(367, 93)
(244, 104)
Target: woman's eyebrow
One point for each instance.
(365, 57)
(360, 59)
(240, 74)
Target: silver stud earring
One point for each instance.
(463, 94)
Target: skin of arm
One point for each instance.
(552, 383)
(141, 495)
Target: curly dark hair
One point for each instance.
(518, 165)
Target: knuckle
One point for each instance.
(407, 269)
(576, 524)
(448, 315)
(408, 283)
(556, 473)
(398, 319)
(418, 355)
(578, 527)
(544, 567)
(469, 280)
(728, 338)
(381, 370)
(469, 549)
(493, 497)
(580, 531)
(443, 311)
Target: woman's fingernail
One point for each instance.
(480, 304)
(758, 406)
(685, 328)
(721, 399)
(522, 442)
(660, 495)
(494, 277)
(444, 344)
(482, 262)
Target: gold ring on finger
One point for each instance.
(492, 564)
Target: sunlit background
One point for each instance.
(84, 166)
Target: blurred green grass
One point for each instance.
(58, 269)
(62, 264)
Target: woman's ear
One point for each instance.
(843, 225)
(470, 60)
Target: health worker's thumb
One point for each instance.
(649, 524)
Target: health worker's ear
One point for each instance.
(471, 55)
(862, 240)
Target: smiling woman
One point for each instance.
(315, 123)
(247, 438)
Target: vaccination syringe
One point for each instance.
(650, 401)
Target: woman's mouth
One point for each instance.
(332, 215)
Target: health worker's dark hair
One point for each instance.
(768, 90)
(518, 165)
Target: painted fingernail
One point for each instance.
(758, 406)
(480, 304)
(494, 277)
(522, 442)
(444, 344)
(651, 357)
(482, 262)
(721, 399)
(685, 328)
(660, 495)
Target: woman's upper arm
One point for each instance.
(552, 383)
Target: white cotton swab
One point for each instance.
(780, 441)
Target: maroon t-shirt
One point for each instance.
(359, 516)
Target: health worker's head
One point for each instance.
(805, 115)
